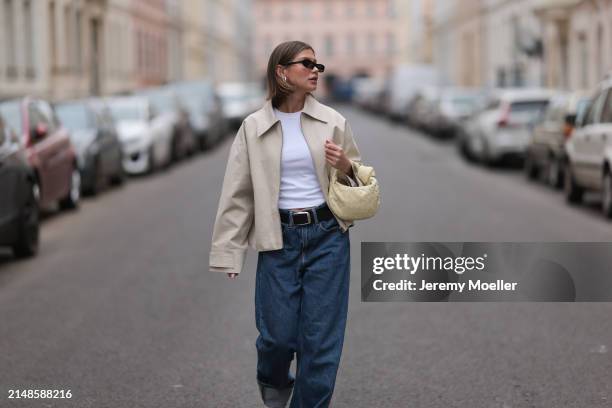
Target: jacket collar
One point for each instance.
(266, 118)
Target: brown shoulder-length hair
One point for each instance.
(283, 53)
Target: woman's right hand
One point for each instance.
(232, 275)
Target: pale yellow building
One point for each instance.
(194, 39)
(459, 42)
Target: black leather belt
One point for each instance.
(306, 216)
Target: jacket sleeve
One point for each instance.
(351, 151)
(235, 212)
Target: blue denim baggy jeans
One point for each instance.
(301, 305)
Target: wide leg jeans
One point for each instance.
(301, 304)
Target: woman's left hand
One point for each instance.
(334, 154)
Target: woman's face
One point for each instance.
(301, 78)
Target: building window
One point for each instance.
(371, 41)
(391, 12)
(329, 45)
(9, 38)
(599, 53)
(267, 45)
(79, 42)
(583, 58)
(350, 9)
(266, 13)
(52, 36)
(28, 38)
(140, 48)
(390, 44)
(287, 14)
(370, 9)
(350, 44)
(329, 10)
(67, 38)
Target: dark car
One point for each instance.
(96, 142)
(546, 151)
(19, 196)
(205, 111)
(48, 149)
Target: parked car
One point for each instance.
(240, 99)
(449, 108)
(366, 91)
(146, 142)
(502, 129)
(205, 111)
(589, 151)
(19, 227)
(96, 142)
(173, 113)
(545, 152)
(421, 108)
(48, 149)
(403, 83)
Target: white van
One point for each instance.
(403, 85)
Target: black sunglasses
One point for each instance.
(308, 64)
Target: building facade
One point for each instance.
(194, 39)
(65, 49)
(577, 42)
(51, 48)
(562, 44)
(229, 27)
(460, 42)
(352, 38)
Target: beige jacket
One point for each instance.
(248, 208)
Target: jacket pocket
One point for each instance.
(329, 225)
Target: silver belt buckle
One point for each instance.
(302, 212)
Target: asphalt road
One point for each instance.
(119, 306)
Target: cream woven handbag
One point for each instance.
(354, 203)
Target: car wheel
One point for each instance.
(71, 201)
(94, 188)
(119, 178)
(606, 201)
(152, 164)
(27, 242)
(530, 168)
(573, 192)
(555, 175)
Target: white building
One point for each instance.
(513, 43)
(495, 43)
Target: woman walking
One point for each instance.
(273, 199)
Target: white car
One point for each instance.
(240, 99)
(146, 142)
(589, 151)
(503, 128)
(366, 91)
(451, 108)
(170, 112)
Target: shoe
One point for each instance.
(275, 397)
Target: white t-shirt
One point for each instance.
(299, 187)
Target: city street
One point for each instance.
(119, 306)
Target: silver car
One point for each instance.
(502, 129)
(589, 151)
